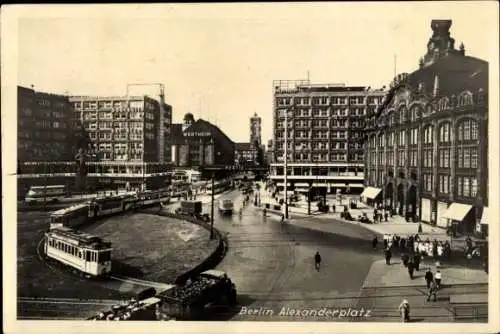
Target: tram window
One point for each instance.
(80, 254)
(104, 256)
(87, 256)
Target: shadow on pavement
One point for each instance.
(224, 313)
(305, 235)
(124, 269)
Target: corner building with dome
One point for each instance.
(426, 149)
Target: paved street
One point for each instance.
(273, 267)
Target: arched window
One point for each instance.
(443, 104)
(428, 134)
(467, 130)
(465, 99)
(402, 115)
(414, 114)
(444, 133)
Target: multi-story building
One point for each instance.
(129, 135)
(46, 130)
(245, 154)
(426, 150)
(269, 152)
(198, 144)
(325, 125)
(256, 130)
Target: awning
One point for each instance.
(370, 192)
(485, 217)
(457, 211)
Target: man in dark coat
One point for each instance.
(388, 255)
(317, 260)
(374, 242)
(411, 268)
(432, 291)
(429, 277)
(417, 260)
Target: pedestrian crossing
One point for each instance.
(384, 302)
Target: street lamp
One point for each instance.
(212, 210)
(285, 169)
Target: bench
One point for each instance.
(470, 306)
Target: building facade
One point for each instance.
(426, 148)
(129, 135)
(325, 125)
(199, 144)
(245, 154)
(256, 130)
(46, 129)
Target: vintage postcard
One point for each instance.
(250, 167)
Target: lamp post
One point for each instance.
(285, 168)
(212, 210)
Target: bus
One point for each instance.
(41, 194)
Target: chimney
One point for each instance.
(436, 85)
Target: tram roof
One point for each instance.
(79, 237)
(69, 209)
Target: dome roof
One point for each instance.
(189, 117)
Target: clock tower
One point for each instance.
(440, 44)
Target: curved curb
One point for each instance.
(208, 263)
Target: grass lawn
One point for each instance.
(154, 248)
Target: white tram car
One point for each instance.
(89, 254)
(42, 194)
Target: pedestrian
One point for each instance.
(417, 259)
(282, 218)
(411, 268)
(438, 278)
(388, 255)
(404, 309)
(317, 260)
(374, 242)
(440, 249)
(386, 216)
(402, 244)
(428, 277)
(432, 291)
(405, 258)
(386, 244)
(263, 212)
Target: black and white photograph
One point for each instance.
(236, 166)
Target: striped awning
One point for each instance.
(370, 192)
(457, 211)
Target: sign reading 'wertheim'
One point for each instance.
(197, 134)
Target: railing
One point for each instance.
(470, 313)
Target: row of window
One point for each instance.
(467, 157)
(317, 134)
(467, 130)
(335, 112)
(325, 100)
(466, 186)
(90, 256)
(400, 116)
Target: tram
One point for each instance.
(88, 254)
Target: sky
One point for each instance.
(218, 61)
